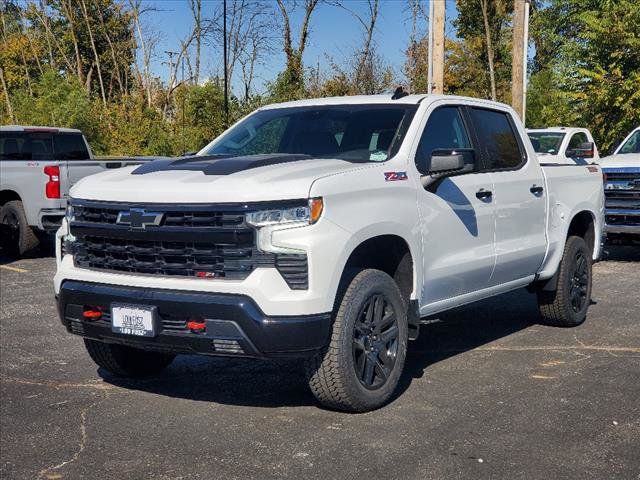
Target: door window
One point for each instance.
(444, 130)
(499, 141)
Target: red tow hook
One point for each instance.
(92, 313)
(196, 326)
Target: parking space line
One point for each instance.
(14, 269)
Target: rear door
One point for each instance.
(519, 196)
(457, 225)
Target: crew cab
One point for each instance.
(38, 165)
(622, 191)
(564, 145)
(325, 230)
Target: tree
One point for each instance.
(589, 63)
(290, 83)
(483, 47)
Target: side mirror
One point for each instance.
(584, 150)
(443, 163)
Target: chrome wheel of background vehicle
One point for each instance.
(375, 342)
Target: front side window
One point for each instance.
(444, 130)
(359, 133)
(499, 141)
(632, 145)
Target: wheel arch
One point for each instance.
(8, 195)
(392, 254)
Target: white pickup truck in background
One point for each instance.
(324, 230)
(622, 191)
(38, 166)
(564, 145)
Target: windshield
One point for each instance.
(546, 142)
(632, 145)
(360, 133)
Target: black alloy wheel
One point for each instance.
(579, 283)
(375, 342)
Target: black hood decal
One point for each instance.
(218, 164)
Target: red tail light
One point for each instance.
(52, 189)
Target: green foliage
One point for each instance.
(587, 67)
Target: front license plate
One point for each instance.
(133, 320)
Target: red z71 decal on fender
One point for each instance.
(394, 176)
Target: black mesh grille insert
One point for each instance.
(204, 241)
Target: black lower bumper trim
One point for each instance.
(235, 325)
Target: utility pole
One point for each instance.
(224, 48)
(430, 54)
(519, 57)
(438, 45)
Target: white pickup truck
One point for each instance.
(564, 145)
(325, 229)
(622, 191)
(38, 165)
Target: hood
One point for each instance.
(196, 181)
(621, 160)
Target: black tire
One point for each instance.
(22, 238)
(567, 305)
(360, 368)
(126, 361)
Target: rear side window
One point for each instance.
(42, 146)
(26, 146)
(499, 142)
(69, 146)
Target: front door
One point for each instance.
(457, 214)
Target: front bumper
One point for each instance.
(235, 325)
(622, 221)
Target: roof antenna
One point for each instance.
(399, 93)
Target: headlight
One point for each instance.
(299, 215)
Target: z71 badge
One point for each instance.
(394, 176)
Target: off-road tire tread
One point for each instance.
(554, 305)
(27, 239)
(324, 375)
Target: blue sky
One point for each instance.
(334, 32)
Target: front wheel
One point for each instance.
(126, 361)
(567, 305)
(361, 367)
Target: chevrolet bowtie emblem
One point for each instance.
(139, 218)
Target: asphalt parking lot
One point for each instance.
(488, 393)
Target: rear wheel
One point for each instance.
(21, 237)
(361, 367)
(127, 361)
(567, 305)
